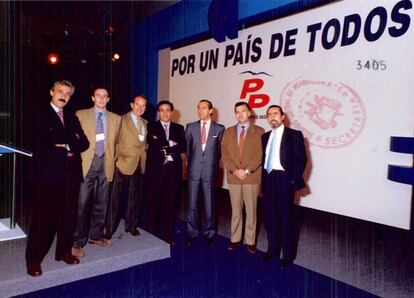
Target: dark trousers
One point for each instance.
(161, 201)
(278, 213)
(208, 199)
(54, 213)
(126, 201)
(92, 207)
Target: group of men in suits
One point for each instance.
(77, 157)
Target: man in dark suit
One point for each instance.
(203, 150)
(58, 173)
(284, 160)
(163, 173)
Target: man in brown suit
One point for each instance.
(129, 174)
(241, 153)
(98, 165)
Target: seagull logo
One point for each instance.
(256, 73)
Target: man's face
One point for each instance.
(204, 113)
(275, 117)
(164, 113)
(242, 114)
(139, 105)
(60, 95)
(100, 98)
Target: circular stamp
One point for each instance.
(330, 114)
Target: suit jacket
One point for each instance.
(130, 150)
(251, 158)
(203, 164)
(87, 120)
(50, 162)
(292, 156)
(157, 142)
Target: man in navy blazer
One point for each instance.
(284, 161)
(163, 172)
(203, 150)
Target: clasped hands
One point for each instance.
(241, 174)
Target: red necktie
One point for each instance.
(203, 134)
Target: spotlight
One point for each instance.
(116, 56)
(53, 58)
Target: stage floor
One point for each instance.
(126, 251)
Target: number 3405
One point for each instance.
(371, 65)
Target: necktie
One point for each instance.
(241, 139)
(139, 126)
(60, 114)
(272, 149)
(166, 131)
(203, 134)
(100, 145)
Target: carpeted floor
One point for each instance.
(202, 271)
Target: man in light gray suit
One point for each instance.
(203, 150)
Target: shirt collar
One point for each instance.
(55, 108)
(246, 125)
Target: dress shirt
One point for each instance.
(135, 119)
(278, 132)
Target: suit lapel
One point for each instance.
(161, 131)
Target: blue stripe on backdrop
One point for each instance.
(202, 271)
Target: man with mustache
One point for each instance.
(59, 139)
(284, 161)
(98, 165)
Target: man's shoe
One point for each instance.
(101, 243)
(267, 256)
(251, 248)
(233, 245)
(77, 251)
(190, 240)
(68, 259)
(210, 241)
(133, 232)
(34, 270)
(285, 263)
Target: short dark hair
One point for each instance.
(275, 106)
(210, 105)
(165, 102)
(64, 83)
(99, 87)
(139, 95)
(242, 103)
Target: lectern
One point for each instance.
(9, 230)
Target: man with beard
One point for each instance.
(284, 161)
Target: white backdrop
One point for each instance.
(348, 97)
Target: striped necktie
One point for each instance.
(100, 145)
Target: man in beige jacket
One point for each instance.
(241, 153)
(98, 165)
(129, 173)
